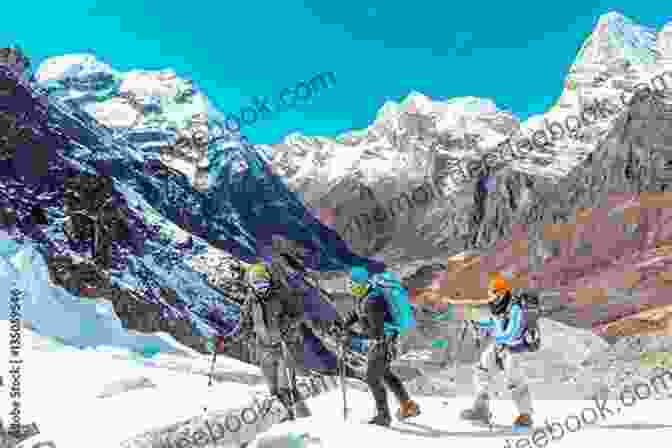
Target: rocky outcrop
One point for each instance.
(15, 59)
(92, 214)
(84, 278)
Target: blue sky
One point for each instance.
(516, 53)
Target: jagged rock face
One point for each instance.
(85, 278)
(7, 217)
(14, 59)
(91, 214)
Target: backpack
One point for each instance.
(396, 296)
(529, 304)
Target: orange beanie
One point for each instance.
(498, 284)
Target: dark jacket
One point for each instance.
(278, 316)
(372, 312)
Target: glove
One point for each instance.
(338, 325)
(350, 320)
(216, 344)
(221, 345)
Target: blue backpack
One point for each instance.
(396, 296)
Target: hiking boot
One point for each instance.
(381, 419)
(523, 422)
(479, 412)
(408, 409)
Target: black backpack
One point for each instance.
(529, 303)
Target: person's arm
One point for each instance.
(375, 316)
(480, 314)
(489, 323)
(514, 327)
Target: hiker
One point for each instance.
(509, 323)
(277, 313)
(382, 321)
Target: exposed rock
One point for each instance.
(86, 278)
(7, 217)
(157, 111)
(14, 59)
(92, 214)
(654, 321)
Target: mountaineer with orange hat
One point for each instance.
(514, 333)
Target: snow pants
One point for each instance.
(494, 360)
(275, 369)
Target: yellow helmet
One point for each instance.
(259, 276)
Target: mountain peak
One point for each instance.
(616, 37)
(613, 18)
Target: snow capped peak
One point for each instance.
(417, 103)
(613, 18)
(618, 37)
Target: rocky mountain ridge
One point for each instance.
(489, 203)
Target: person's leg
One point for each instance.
(394, 383)
(518, 386)
(376, 370)
(483, 370)
(300, 406)
(269, 362)
(407, 407)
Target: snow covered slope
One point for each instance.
(109, 398)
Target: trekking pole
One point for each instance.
(459, 339)
(211, 374)
(290, 382)
(341, 363)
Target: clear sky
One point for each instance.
(517, 53)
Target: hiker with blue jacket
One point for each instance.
(509, 321)
(375, 315)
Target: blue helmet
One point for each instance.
(359, 282)
(359, 274)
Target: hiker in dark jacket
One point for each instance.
(277, 315)
(371, 313)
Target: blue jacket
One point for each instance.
(511, 335)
